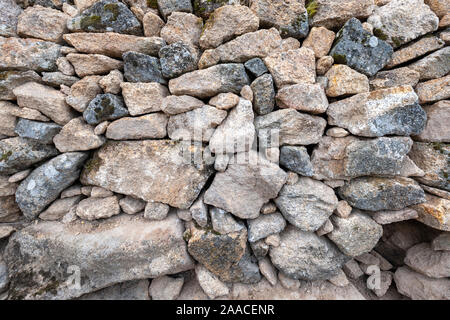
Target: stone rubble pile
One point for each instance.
(262, 149)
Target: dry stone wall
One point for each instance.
(177, 149)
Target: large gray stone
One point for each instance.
(360, 50)
(42, 257)
(374, 194)
(17, 154)
(8, 20)
(306, 256)
(104, 107)
(40, 131)
(45, 183)
(139, 67)
(263, 94)
(307, 204)
(297, 160)
(106, 16)
(265, 225)
(152, 170)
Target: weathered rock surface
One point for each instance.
(319, 40)
(8, 20)
(91, 64)
(305, 256)
(46, 182)
(401, 21)
(343, 80)
(28, 54)
(176, 59)
(256, 67)
(60, 208)
(297, 160)
(117, 166)
(141, 98)
(152, 126)
(128, 290)
(423, 259)
(292, 127)
(139, 67)
(434, 212)
(9, 80)
(244, 187)
(166, 288)
(210, 283)
(434, 90)
(356, 234)
(104, 107)
(76, 135)
(226, 23)
(106, 16)
(359, 49)
(292, 66)
(435, 130)
(386, 217)
(381, 112)
(113, 44)
(433, 66)
(374, 194)
(112, 254)
(420, 287)
(394, 78)
(264, 94)
(83, 91)
(265, 225)
(441, 242)
(42, 132)
(209, 82)
(166, 7)
(303, 97)
(98, 208)
(9, 110)
(17, 154)
(307, 204)
(46, 100)
(196, 125)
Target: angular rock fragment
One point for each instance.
(83, 91)
(114, 44)
(381, 112)
(40, 131)
(292, 127)
(394, 78)
(209, 82)
(173, 105)
(436, 129)
(303, 97)
(307, 204)
(140, 67)
(433, 159)
(130, 205)
(237, 132)
(8, 20)
(42, 23)
(256, 67)
(17, 154)
(333, 14)
(106, 16)
(210, 283)
(9, 80)
(305, 256)
(184, 27)
(57, 79)
(77, 136)
(11, 109)
(441, 242)
(165, 288)
(434, 90)
(319, 40)
(196, 125)
(110, 255)
(297, 160)
(226, 256)
(360, 50)
(59, 208)
(156, 210)
(244, 187)
(104, 107)
(223, 222)
(204, 8)
(141, 98)
(226, 23)
(111, 82)
(45, 99)
(176, 59)
(163, 168)
(434, 212)
(401, 21)
(91, 64)
(265, 225)
(374, 194)
(166, 7)
(291, 67)
(45, 183)
(342, 80)
(423, 259)
(151, 126)
(98, 208)
(419, 287)
(152, 24)
(264, 94)
(386, 217)
(289, 17)
(322, 66)
(356, 234)
(433, 66)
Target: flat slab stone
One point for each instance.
(120, 249)
(149, 170)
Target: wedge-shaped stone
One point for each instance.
(378, 113)
(114, 44)
(292, 128)
(434, 212)
(350, 157)
(28, 54)
(245, 186)
(306, 256)
(77, 135)
(356, 234)
(45, 99)
(17, 154)
(374, 194)
(209, 82)
(159, 170)
(120, 249)
(44, 184)
(307, 204)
